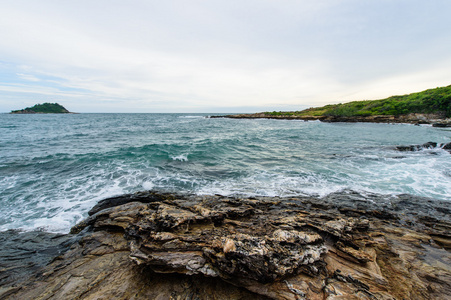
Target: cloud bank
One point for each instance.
(218, 56)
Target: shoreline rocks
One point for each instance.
(435, 120)
(428, 145)
(151, 245)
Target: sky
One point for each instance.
(219, 56)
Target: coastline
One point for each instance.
(414, 118)
(149, 244)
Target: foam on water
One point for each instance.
(271, 185)
(191, 117)
(181, 157)
(54, 169)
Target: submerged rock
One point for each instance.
(167, 246)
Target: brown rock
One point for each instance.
(212, 247)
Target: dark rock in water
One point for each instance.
(169, 246)
(446, 146)
(407, 148)
(428, 145)
(441, 125)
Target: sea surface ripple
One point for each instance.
(54, 168)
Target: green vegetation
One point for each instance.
(46, 108)
(436, 100)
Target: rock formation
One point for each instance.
(152, 245)
(415, 118)
(428, 145)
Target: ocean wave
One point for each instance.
(52, 185)
(192, 117)
(181, 157)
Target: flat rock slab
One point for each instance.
(152, 245)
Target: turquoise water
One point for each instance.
(54, 168)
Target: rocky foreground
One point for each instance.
(165, 246)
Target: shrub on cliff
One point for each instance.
(436, 100)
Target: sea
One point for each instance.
(55, 167)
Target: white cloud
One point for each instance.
(207, 54)
(27, 77)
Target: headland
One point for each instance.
(432, 106)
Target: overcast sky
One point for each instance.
(219, 56)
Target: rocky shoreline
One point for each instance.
(151, 245)
(435, 120)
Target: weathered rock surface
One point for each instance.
(166, 246)
(23, 254)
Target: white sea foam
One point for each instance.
(267, 184)
(57, 210)
(148, 185)
(418, 173)
(181, 157)
(192, 117)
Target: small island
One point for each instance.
(45, 108)
(432, 106)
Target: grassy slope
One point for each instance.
(49, 108)
(436, 100)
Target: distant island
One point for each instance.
(45, 108)
(432, 106)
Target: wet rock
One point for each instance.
(144, 197)
(428, 145)
(446, 146)
(24, 254)
(343, 246)
(442, 124)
